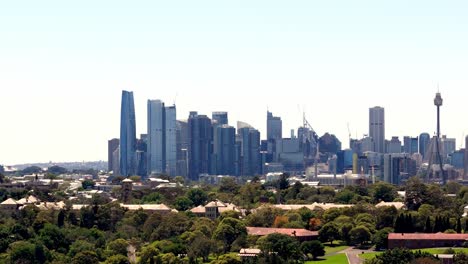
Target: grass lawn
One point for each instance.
(335, 259)
(330, 250)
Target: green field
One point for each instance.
(330, 250)
(429, 250)
(335, 259)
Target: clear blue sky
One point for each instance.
(63, 65)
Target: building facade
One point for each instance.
(274, 127)
(424, 140)
(200, 145)
(127, 135)
(156, 137)
(377, 128)
(112, 145)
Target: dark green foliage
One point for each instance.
(315, 248)
(57, 170)
(329, 232)
(85, 257)
(428, 226)
(197, 196)
(285, 246)
(228, 231)
(400, 256)
(380, 239)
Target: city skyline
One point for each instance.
(63, 68)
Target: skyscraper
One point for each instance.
(250, 150)
(410, 144)
(182, 147)
(274, 127)
(221, 118)
(171, 140)
(424, 140)
(162, 132)
(127, 135)
(112, 145)
(156, 137)
(225, 149)
(377, 128)
(200, 147)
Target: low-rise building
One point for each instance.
(414, 241)
(298, 233)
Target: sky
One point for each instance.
(63, 65)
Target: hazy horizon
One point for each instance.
(64, 65)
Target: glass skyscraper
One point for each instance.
(200, 145)
(274, 127)
(424, 140)
(162, 130)
(377, 128)
(127, 135)
(156, 137)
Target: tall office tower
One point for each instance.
(377, 128)
(225, 149)
(424, 140)
(410, 145)
(156, 137)
(218, 120)
(182, 147)
(116, 162)
(274, 127)
(162, 142)
(171, 140)
(367, 144)
(250, 150)
(200, 145)
(127, 135)
(466, 157)
(448, 146)
(221, 118)
(112, 145)
(394, 145)
(141, 157)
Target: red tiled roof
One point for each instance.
(437, 236)
(264, 231)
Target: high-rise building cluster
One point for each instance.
(202, 146)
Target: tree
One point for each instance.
(118, 247)
(416, 193)
(459, 226)
(400, 256)
(80, 246)
(329, 232)
(23, 252)
(360, 235)
(117, 259)
(31, 170)
(380, 238)
(315, 248)
(231, 258)
(228, 230)
(460, 258)
(88, 184)
(61, 218)
(85, 257)
(183, 203)
(57, 170)
(285, 246)
(197, 196)
(428, 226)
(148, 255)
